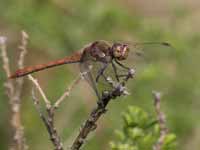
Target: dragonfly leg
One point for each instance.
(101, 71)
(123, 66)
(115, 71)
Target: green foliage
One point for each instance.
(140, 132)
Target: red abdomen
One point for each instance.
(75, 58)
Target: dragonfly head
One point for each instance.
(120, 51)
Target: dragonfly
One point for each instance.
(98, 61)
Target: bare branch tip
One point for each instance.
(157, 95)
(24, 34)
(3, 40)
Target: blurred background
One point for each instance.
(58, 27)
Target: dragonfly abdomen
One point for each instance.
(75, 58)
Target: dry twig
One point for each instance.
(161, 120)
(50, 109)
(20, 63)
(67, 91)
(90, 123)
(14, 94)
(49, 122)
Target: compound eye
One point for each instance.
(116, 51)
(118, 48)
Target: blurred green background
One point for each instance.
(59, 27)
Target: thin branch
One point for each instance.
(6, 66)
(23, 52)
(67, 92)
(48, 119)
(14, 94)
(90, 123)
(161, 120)
(48, 122)
(23, 49)
(37, 85)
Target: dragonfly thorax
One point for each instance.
(120, 51)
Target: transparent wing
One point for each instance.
(86, 67)
(91, 69)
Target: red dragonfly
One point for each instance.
(99, 55)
